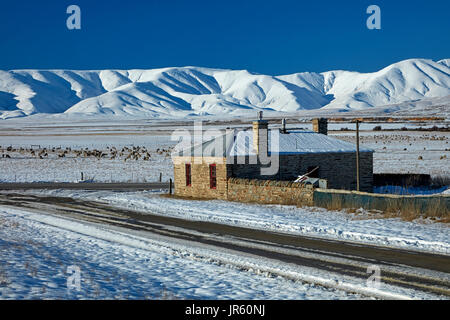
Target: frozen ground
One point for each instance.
(25, 164)
(406, 151)
(37, 250)
(360, 227)
(40, 252)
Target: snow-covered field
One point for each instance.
(407, 151)
(43, 255)
(25, 166)
(37, 252)
(395, 151)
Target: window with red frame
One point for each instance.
(188, 175)
(212, 176)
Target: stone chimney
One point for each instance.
(260, 134)
(320, 126)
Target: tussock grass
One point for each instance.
(406, 208)
(337, 203)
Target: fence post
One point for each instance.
(170, 186)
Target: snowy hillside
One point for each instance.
(185, 91)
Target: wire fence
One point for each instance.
(111, 177)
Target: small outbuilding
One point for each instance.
(203, 170)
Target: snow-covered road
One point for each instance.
(359, 227)
(37, 250)
(245, 269)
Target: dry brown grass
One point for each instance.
(407, 209)
(435, 209)
(336, 203)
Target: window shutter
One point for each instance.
(212, 176)
(188, 175)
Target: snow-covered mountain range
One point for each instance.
(186, 91)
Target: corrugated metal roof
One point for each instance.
(294, 142)
(218, 147)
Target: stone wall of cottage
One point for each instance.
(200, 182)
(270, 192)
(339, 169)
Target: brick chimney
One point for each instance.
(260, 134)
(320, 125)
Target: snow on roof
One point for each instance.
(293, 142)
(216, 147)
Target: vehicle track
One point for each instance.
(340, 257)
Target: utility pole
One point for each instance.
(357, 155)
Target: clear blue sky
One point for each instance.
(271, 37)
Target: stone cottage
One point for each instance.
(203, 170)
